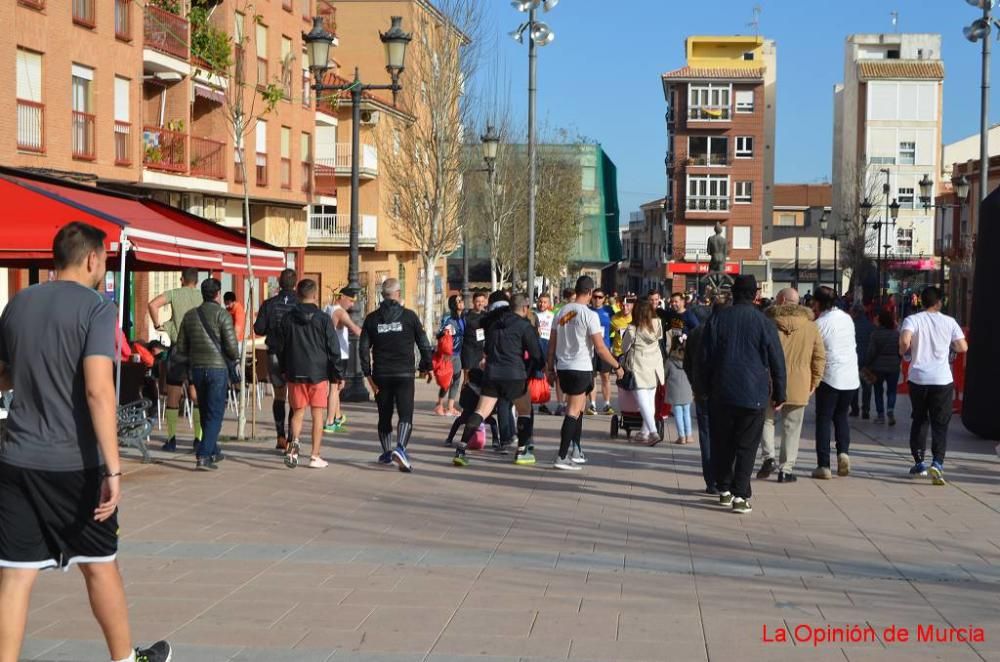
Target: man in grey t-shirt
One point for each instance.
(60, 473)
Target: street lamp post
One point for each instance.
(491, 144)
(318, 41)
(539, 34)
(824, 224)
(960, 185)
(978, 30)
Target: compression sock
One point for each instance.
(403, 431)
(170, 414)
(278, 410)
(471, 428)
(523, 431)
(385, 438)
(459, 422)
(196, 423)
(566, 435)
(578, 433)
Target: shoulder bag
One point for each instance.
(233, 367)
(627, 381)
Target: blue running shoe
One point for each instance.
(918, 469)
(385, 458)
(401, 459)
(937, 474)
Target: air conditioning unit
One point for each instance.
(369, 117)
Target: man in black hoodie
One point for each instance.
(387, 339)
(268, 324)
(308, 352)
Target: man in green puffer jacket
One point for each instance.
(208, 339)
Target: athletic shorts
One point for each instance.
(576, 382)
(505, 389)
(601, 366)
(47, 519)
(303, 394)
(274, 371)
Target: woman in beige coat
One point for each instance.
(642, 356)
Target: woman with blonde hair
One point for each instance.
(643, 358)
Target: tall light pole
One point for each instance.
(979, 30)
(491, 144)
(960, 185)
(539, 34)
(318, 41)
(824, 224)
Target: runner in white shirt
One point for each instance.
(930, 338)
(340, 312)
(575, 336)
(545, 318)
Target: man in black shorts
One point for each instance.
(509, 337)
(60, 475)
(577, 334)
(268, 324)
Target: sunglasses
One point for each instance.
(599, 296)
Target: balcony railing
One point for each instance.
(707, 203)
(261, 72)
(123, 143)
(84, 13)
(237, 168)
(165, 32)
(261, 169)
(368, 163)
(286, 173)
(82, 128)
(307, 176)
(123, 20)
(164, 149)
(207, 158)
(708, 159)
(30, 126)
(325, 177)
(336, 229)
(709, 113)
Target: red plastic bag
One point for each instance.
(441, 361)
(540, 390)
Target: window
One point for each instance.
(82, 120)
(123, 20)
(748, 56)
(305, 154)
(239, 42)
(261, 46)
(741, 238)
(744, 101)
(261, 146)
(123, 127)
(84, 13)
(30, 109)
(744, 147)
(696, 238)
(708, 102)
(287, 62)
(882, 160)
(286, 157)
(904, 240)
(708, 193)
(906, 198)
(708, 150)
(787, 220)
(306, 81)
(907, 153)
(744, 192)
(588, 178)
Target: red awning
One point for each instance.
(159, 235)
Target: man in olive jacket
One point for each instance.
(805, 360)
(208, 339)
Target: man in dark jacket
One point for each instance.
(509, 337)
(694, 368)
(207, 337)
(385, 351)
(308, 351)
(473, 337)
(863, 329)
(268, 324)
(744, 372)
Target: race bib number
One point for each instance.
(480, 335)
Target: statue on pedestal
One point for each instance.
(717, 277)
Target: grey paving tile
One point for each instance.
(277, 655)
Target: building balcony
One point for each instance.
(165, 41)
(707, 160)
(335, 230)
(164, 149)
(208, 158)
(30, 126)
(341, 162)
(710, 204)
(82, 129)
(709, 114)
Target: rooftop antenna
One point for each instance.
(755, 21)
(895, 20)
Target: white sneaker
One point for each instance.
(577, 456)
(565, 465)
(318, 463)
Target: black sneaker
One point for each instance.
(205, 464)
(767, 468)
(786, 477)
(170, 445)
(742, 506)
(544, 409)
(195, 445)
(158, 652)
(218, 457)
(711, 491)
(866, 415)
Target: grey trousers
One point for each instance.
(790, 418)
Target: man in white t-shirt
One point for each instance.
(576, 336)
(545, 318)
(929, 338)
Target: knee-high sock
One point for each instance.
(569, 426)
(579, 430)
(471, 428)
(278, 411)
(525, 427)
(403, 431)
(459, 422)
(385, 438)
(196, 423)
(170, 414)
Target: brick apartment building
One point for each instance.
(720, 151)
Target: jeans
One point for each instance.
(831, 412)
(886, 381)
(736, 436)
(212, 386)
(682, 418)
(790, 419)
(645, 398)
(866, 399)
(704, 442)
(931, 405)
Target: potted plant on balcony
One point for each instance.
(210, 45)
(172, 6)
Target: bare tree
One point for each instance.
(864, 183)
(423, 162)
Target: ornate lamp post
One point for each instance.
(491, 145)
(824, 225)
(318, 41)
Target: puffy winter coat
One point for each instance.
(802, 345)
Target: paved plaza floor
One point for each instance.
(626, 560)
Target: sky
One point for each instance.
(601, 76)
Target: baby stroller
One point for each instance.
(628, 417)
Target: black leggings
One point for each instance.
(394, 393)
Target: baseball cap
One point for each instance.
(349, 292)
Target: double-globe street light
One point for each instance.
(539, 34)
(888, 221)
(960, 185)
(979, 30)
(318, 41)
(491, 145)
